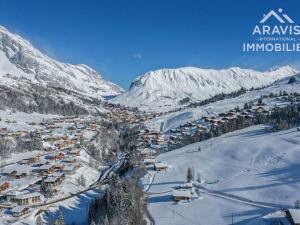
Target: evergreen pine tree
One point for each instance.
(60, 219)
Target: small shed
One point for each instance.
(149, 161)
(158, 166)
(182, 194)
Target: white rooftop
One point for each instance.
(182, 193)
(28, 195)
(295, 214)
(149, 160)
(160, 164)
(51, 179)
(19, 209)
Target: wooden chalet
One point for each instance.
(56, 156)
(182, 194)
(158, 166)
(46, 169)
(28, 198)
(19, 211)
(4, 185)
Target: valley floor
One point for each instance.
(250, 163)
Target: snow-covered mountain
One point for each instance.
(166, 89)
(20, 60)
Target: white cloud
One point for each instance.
(137, 56)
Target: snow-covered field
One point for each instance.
(249, 163)
(16, 121)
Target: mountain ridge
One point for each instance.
(164, 88)
(40, 68)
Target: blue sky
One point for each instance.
(123, 39)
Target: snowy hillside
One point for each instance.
(166, 89)
(246, 167)
(173, 120)
(19, 59)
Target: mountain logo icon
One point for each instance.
(280, 16)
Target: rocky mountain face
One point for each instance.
(165, 89)
(27, 75)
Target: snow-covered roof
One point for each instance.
(51, 179)
(19, 209)
(15, 193)
(19, 169)
(148, 150)
(295, 214)
(149, 160)
(45, 167)
(187, 185)
(28, 195)
(57, 174)
(69, 159)
(182, 193)
(69, 168)
(160, 164)
(3, 182)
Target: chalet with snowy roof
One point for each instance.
(50, 139)
(161, 140)
(69, 160)
(188, 185)
(69, 169)
(75, 152)
(59, 166)
(54, 180)
(30, 160)
(29, 198)
(4, 185)
(56, 156)
(149, 161)
(293, 216)
(41, 163)
(53, 127)
(94, 126)
(10, 196)
(61, 145)
(48, 149)
(60, 175)
(147, 152)
(17, 174)
(182, 194)
(19, 211)
(158, 166)
(46, 169)
(77, 165)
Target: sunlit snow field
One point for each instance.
(249, 163)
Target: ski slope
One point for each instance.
(247, 164)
